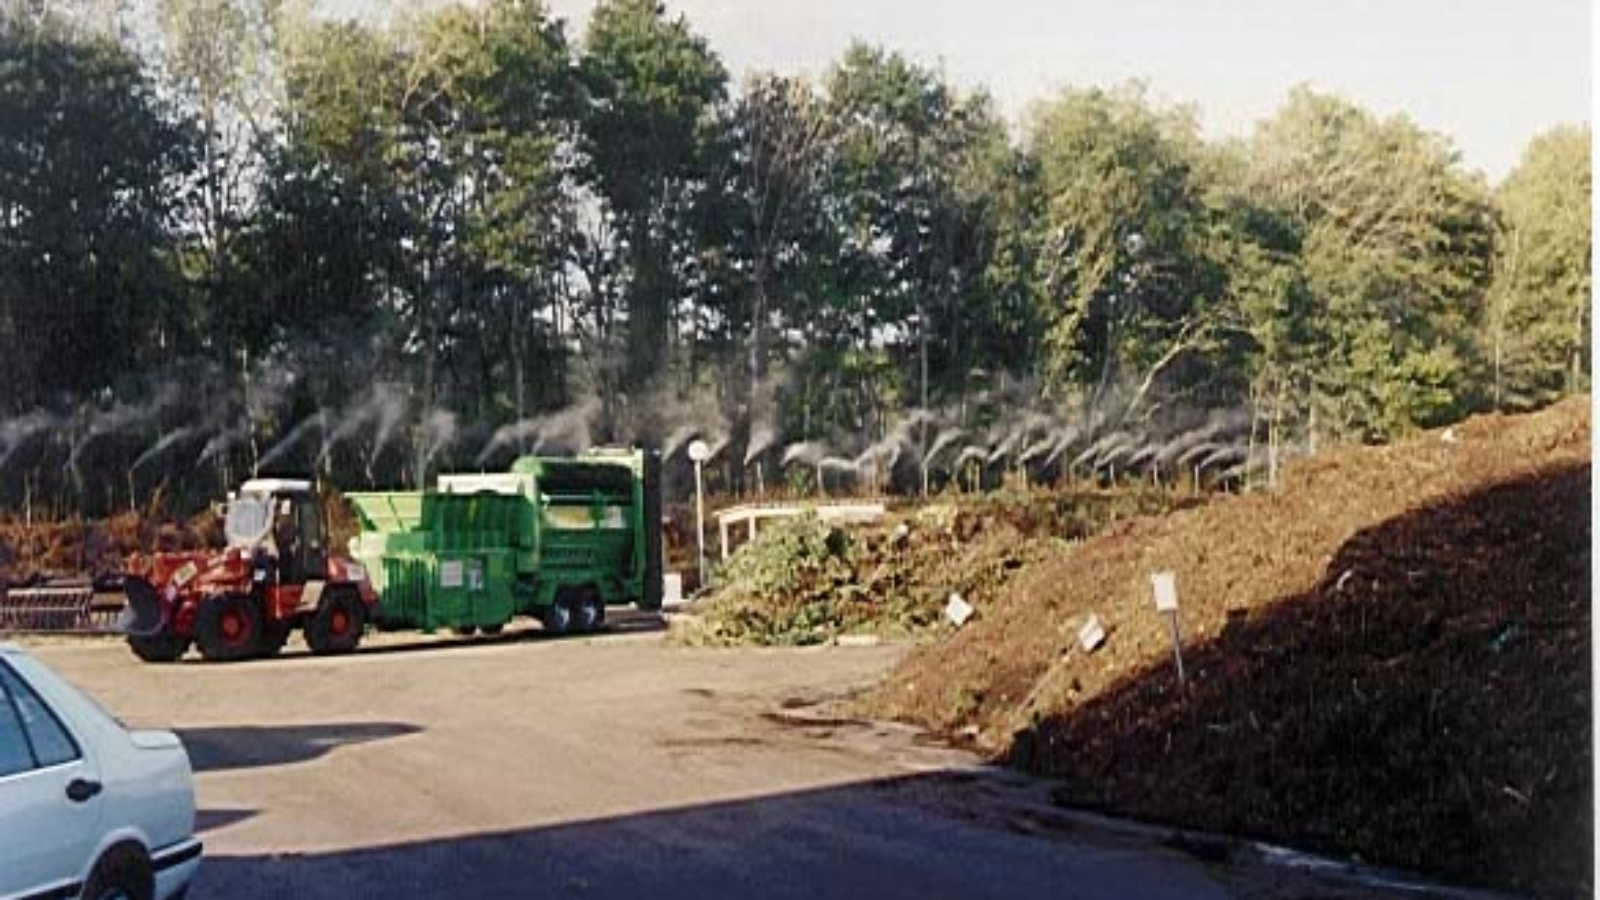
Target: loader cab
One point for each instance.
(284, 520)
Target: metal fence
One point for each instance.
(67, 609)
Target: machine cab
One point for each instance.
(280, 520)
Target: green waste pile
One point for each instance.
(805, 581)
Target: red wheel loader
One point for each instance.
(274, 575)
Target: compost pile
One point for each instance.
(805, 582)
(1387, 658)
(40, 550)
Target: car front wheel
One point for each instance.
(122, 874)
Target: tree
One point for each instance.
(87, 287)
(219, 55)
(1395, 244)
(501, 80)
(1538, 322)
(1127, 287)
(913, 241)
(652, 85)
(778, 144)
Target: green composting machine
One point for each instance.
(556, 538)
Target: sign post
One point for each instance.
(1166, 588)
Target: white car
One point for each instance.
(87, 808)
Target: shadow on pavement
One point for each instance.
(250, 747)
(876, 839)
(213, 819)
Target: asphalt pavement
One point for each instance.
(617, 767)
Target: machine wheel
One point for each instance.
(464, 630)
(158, 648)
(228, 628)
(558, 616)
(336, 627)
(589, 611)
(492, 630)
(122, 874)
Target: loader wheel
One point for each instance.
(464, 630)
(336, 627)
(159, 648)
(557, 617)
(492, 630)
(228, 628)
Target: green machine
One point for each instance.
(556, 538)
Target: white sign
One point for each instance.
(1092, 634)
(451, 574)
(699, 451)
(958, 611)
(1166, 586)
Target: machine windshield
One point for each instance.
(246, 521)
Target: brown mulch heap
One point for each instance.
(1388, 658)
(93, 547)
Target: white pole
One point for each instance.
(700, 519)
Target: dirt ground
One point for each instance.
(1388, 657)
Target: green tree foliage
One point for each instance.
(1538, 321)
(87, 286)
(766, 222)
(1395, 243)
(378, 249)
(1125, 282)
(324, 242)
(916, 229)
(651, 87)
(219, 54)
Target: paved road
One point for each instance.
(601, 768)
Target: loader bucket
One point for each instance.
(142, 616)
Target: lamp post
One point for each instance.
(700, 452)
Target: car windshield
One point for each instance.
(246, 521)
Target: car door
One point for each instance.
(50, 803)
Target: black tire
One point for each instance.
(558, 617)
(337, 624)
(588, 612)
(493, 630)
(158, 648)
(464, 630)
(228, 627)
(122, 874)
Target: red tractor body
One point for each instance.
(244, 601)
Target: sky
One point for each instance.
(1490, 74)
